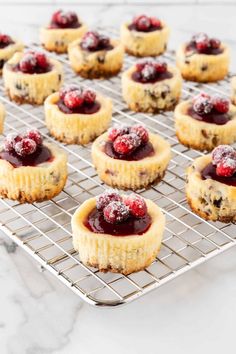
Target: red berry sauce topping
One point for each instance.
(5, 40)
(143, 23)
(33, 63)
(75, 99)
(210, 109)
(202, 44)
(223, 165)
(130, 143)
(25, 150)
(64, 19)
(94, 41)
(151, 71)
(119, 215)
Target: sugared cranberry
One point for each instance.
(65, 89)
(201, 41)
(42, 60)
(155, 22)
(226, 167)
(28, 63)
(35, 135)
(127, 143)
(220, 104)
(136, 204)
(115, 212)
(202, 105)
(64, 18)
(11, 140)
(161, 67)
(25, 147)
(90, 40)
(89, 96)
(73, 99)
(104, 41)
(148, 72)
(107, 197)
(5, 40)
(114, 132)
(223, 152)
(142, 23)
(141, 131)
(150, 69)
(215, 43)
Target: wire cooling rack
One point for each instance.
(44, 229)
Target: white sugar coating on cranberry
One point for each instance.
(148, 72)
(42, 60)
(142, 22)
(107, 197)
(115, 212)
(64, 17)
(215, 43)
(203, 42)
(126, 143)
(202, 104)
(226, 167)
(141, 131)
(11, 140)
(223, 152)
(136, 204)
(116, 131)
(149, 69)
(35, 135)
(220, 104)
(73, 99)
(67, 88)
(90, 40)
(25, 147)
(89, 96)
(28, 62)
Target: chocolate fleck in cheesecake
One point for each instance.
(145, 36)
(203, 59)
(130, 157)
(64, 28)
(96, 56)
(118, 233)
(31, 170)
(151, 86)
(31, 76)
(211, 185)
(8, 46)
(205, 121)
(77, 116)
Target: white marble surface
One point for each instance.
(192, 314)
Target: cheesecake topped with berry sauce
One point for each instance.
(145, 36)
(118, 233)
(130, 157)
(32, 76)
(8, 46)
(76, 115)
(30, 169)
(64, 27)
(203, 59)
(96, 55)
(25, 150)
(205, 121)
(151, 86)
(211, 185)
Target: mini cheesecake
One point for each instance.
(145, 36)
(118, 233)
(205, 121)
(130, 157)
(151, 86)
(30, 77)
(30, 170)
(233, 90)
(203, 59)
(211, 185)
(64, 28)
(8, 46)
(77, 116)
(96, 56)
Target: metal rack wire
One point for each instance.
(44, 229)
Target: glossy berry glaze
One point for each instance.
(191, 47)
(209, 172)
(137, 76)
(213, 117)
(132, 226)
(132, 27)
(42, 154)
(144, 150)
(85, 108)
